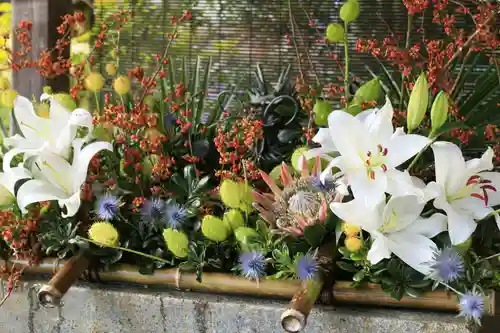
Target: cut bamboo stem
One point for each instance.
(343, 291)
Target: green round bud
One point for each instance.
(177, 242)
(335, 33)
(368, 92)
(94, 82)
(354, 108)
(233, 219)
(214, 228)
(47, 90)
(349, 11)
(66, 100)
(244, 233)
(322, 110)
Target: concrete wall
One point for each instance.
(88, 309)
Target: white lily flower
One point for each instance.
(370, 150)
(467, 193)
(56, 179)
(54, 134)
(396, 227)
(8, 182)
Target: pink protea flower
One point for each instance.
(301, 202)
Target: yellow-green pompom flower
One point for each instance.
(233, 219)
(439, 111)
(297, 154)
(111, 69)
(121, 85)
(335, 33)
(417, 105)
(4, 83)
(353, 244)
(66, 100)
(104, 234)
(244, 233)
(229, 193)
(177, 242)
(214, 228)
(349, 11)
(94, 82)
(8, 97)
(322, 110)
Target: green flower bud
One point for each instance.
(214, 228)
(354, 108)
(349, 11)
(244, 233)
(335, 33)
(233, 219)
(47, 90)
(368, 92)
(417, 106)
(66, 100)
(177, 242)
(439, 111)
(322, 110)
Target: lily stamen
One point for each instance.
(372, 175)
(384, 167)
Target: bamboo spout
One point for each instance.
(294, 319)
(50, 294)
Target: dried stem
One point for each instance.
(407, 46)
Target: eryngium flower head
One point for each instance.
(106, 207)
(306, 267)
(300, 203)
(152, 209)
(471, 306)
(175, 215)
(252, 265)
(447, 265)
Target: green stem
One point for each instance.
(412, 164)
(129, 250)
(451, 288)
(407, 46)
(346, 61)
(98, 107)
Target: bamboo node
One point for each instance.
(49, 296)
(293, 321)
(178, 278)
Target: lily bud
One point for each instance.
(349, 11)
(370, 91)
(439, 111)
(417, 106)
(335, 33)
(321, 111)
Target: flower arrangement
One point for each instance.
(140, 166)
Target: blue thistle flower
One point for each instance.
(107, 206)
(447, 265)
(472, 306)
(175, 215)
(306, 267)
(327, 185)
(252, 264)
(152, 209)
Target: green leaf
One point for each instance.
(421, 284)
(347, 267)
(359, 276)
(193, 90)
(314, 234)
(388, 76)
(412, 292)
(398, 292)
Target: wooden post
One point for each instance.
(45, 16)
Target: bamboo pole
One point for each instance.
(343, 291)
(294, 319)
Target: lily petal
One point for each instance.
(379, 122)
(379, 250)
(82, 158)
(415, 250)
(400, 183)
(370, 191)
(460, 224)
(356, 213)
(31, 125)
(400, 212)
(349, 136)
(72, 205)
(9, 179)
(450, 166)
(36, 191)
(471, 206)
(493, 195)
(429, 227)
(402, 148)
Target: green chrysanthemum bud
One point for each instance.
(439, 111)
(214, 228)
(368, 92)
(349, 11)
(417, 106)
(233, 219)
(94, 82)
(177, 242)
(66, 100)
(244, 233)
(229, 193)
(335, 33)
(322, 110)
